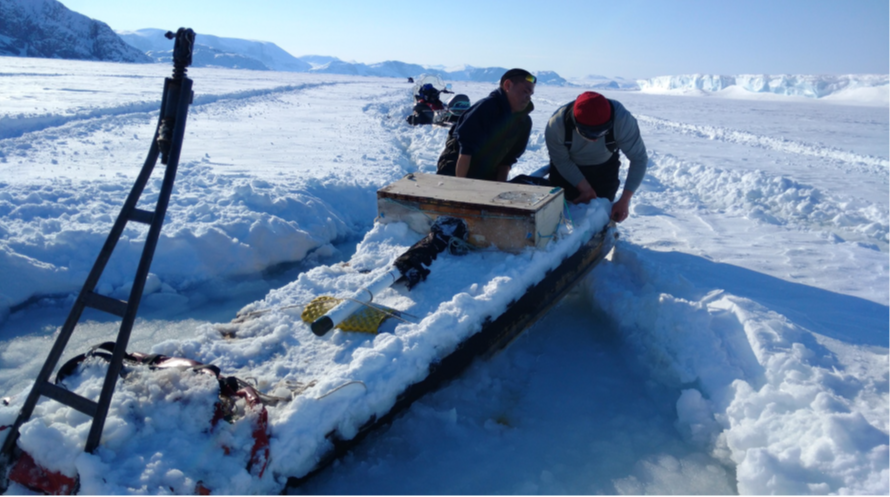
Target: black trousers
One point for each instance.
(602, 177)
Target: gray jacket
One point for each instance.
(585, 153)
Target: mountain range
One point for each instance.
(46, 28)
(245, 54)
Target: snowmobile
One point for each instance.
(428, 106)
(453, 269)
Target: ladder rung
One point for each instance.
(106, 304)
(141, 216)
(70, 399)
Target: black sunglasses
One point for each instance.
(594, 132)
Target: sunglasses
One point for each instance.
(531, 79)
(594, 132)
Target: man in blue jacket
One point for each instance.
(489, 137)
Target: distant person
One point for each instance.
(427, 103)
(583, 139)
(491, 135)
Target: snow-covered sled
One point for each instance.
(299, 400)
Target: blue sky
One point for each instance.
(628, 38)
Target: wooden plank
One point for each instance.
(509, 197)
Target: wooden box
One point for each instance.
(509, 216)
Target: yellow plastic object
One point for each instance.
(366, 320)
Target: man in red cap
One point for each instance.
(583, 139)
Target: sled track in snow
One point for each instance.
(770, 199)
(778, 144)
(419, 145)
(16, 127)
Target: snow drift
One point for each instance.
(788, 409)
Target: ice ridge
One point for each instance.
(812, 86)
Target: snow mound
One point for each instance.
(789, 408)
(864, 88)
(235, 227)
(46, 28)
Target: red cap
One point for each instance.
(592, 109)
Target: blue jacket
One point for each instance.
(491, 133)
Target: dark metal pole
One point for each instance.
(92, 280)
(142, 270)
(167, 144)
(174, 111)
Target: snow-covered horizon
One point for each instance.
(866, 89)
(46, 28)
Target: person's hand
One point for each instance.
(586, 193)
(621, 209)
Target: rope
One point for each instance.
(571, 224)
(252, 314)
(341, 387)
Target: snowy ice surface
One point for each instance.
(736, 342)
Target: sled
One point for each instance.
(313, 396)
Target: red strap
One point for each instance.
(34, 476)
